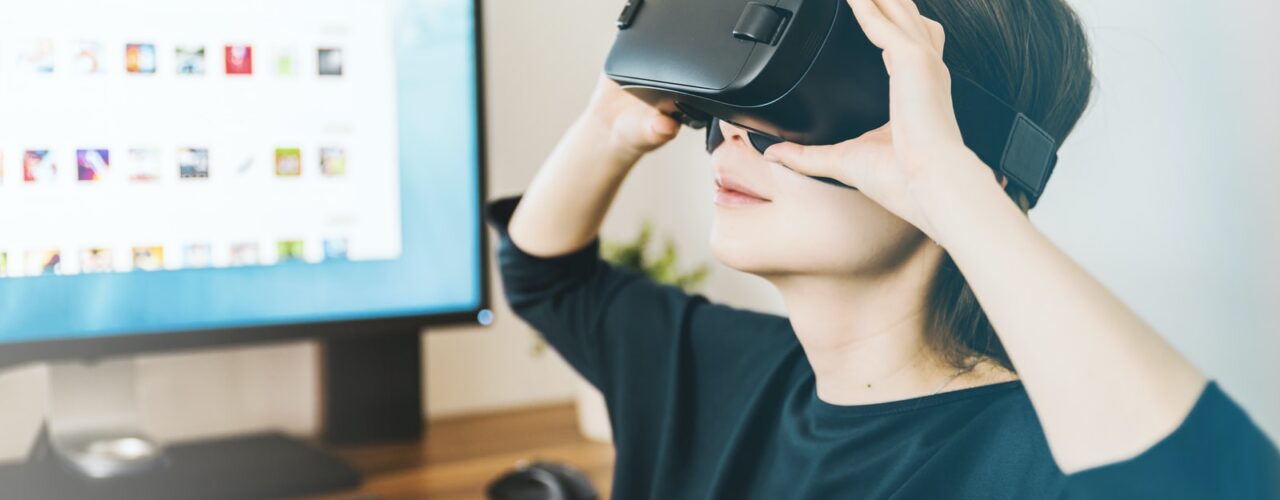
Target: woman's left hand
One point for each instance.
(900, 164)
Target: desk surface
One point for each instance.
(462, 455)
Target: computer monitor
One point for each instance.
(192, 173)
(187, 173)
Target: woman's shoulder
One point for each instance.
(1003, 423)
(723, 326)
(1217, 452)
(724, 315)
(1012, 407)
(993, 447)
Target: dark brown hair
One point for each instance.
(1033, 54)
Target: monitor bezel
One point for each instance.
(90, 349)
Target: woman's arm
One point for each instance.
(1105, 386)
(564, 206)
(547, 251)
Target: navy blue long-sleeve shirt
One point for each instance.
(712, 402)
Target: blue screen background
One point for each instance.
(438, 272)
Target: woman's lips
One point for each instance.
(732, 193)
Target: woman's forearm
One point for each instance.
(1104, 384)
(564, 206)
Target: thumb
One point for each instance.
(663, 127)
(813, 161)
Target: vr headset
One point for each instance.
(799, 71)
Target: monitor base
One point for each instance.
(92, 445)
(108, 453)
(269, 465)
(93, 423)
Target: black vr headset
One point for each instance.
(799, 71)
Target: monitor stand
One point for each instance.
(93, 424)
(91, 446)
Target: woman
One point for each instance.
(894, 374)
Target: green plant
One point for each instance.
(635, 255)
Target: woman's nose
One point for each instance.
(757, 142)
(732, 132)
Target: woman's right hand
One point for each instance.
(563, 208)
(635, 128)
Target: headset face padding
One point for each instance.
(760, 142)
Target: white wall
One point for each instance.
(1166, 192)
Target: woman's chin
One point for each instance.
(737, 252)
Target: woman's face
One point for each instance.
(770, 220)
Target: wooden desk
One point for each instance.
(462, 455)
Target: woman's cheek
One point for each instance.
(835, 229)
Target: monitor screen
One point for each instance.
(179, 165)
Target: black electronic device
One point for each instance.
(542, 481)
(800, 71)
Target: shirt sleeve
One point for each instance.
(604, 320)
(1217, 452)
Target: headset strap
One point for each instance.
(1004, 138)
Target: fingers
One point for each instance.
(817, 161)
(936, 33)
(663, 127)
(878, 28)
(892, 24)
(902, 13)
